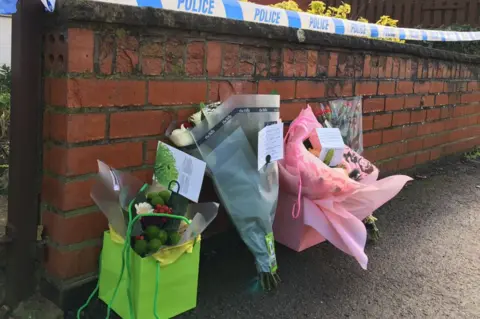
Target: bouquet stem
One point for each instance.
(269, 281)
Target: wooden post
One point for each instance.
(25, 150)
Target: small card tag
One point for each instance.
(270, 241)
(332, 146)
(270, 143)
(174, 165)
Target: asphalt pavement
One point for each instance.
(425, 265)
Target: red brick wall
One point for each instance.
(110, 95)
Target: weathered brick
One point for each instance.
(322, 66)
(301, 61)
(404, 87)
(175, 57)
(286, 89)
(214, 58)
(386, 87)
(310, 89)
(195, 62)
(392, 135)
(433, 114)
(421, 87)
(401, 118)
(101, 93)
(382, 64)
(366, 88)
(473, 86)
(69, 195)
(312, 63)
(414, 145)
(83, 160)
(66, 264)
(127, 54)
(55, 52)
(373, 105)
(374, 61)
(396, 67)
(75, 229)
(441, 99)
(288, 62)
(152, 66)
(409, 131)
(470, 97)
(246, 65)
(153, 57)
(422, 157)
(290, 111)
(389, 67)
(55, 91)
(275, 62)
(346, 65)
(418, 116)
(332, 64)
(394, 103)
(436, 87)
(106, 53)
(74, 128)
(222, 90)
(176, 92)
(403, 69)
(367, 122)
(406, 162)
(428, 100)
(337, 88)
(367, 66)
(382, 121)
(372, 138)
(139, 123)
(413, 102)
(80, 50)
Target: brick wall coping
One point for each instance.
(84, 11)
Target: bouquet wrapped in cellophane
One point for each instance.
(226, 138)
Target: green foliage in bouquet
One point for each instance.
(165, 169)
(372, 231)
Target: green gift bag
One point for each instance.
(176, 283)
(160, 286)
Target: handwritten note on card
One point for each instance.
(270, 143)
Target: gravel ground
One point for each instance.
(426, 264)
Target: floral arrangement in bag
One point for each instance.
(157, 232)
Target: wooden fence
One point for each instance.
(410, 13)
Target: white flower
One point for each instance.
(181, 137)
(196, 118)
(143, 208)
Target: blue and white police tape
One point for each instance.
(247, 11)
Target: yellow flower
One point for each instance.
(362, 19)
(287, 5)
(317, 7)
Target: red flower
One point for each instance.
(186, 124)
